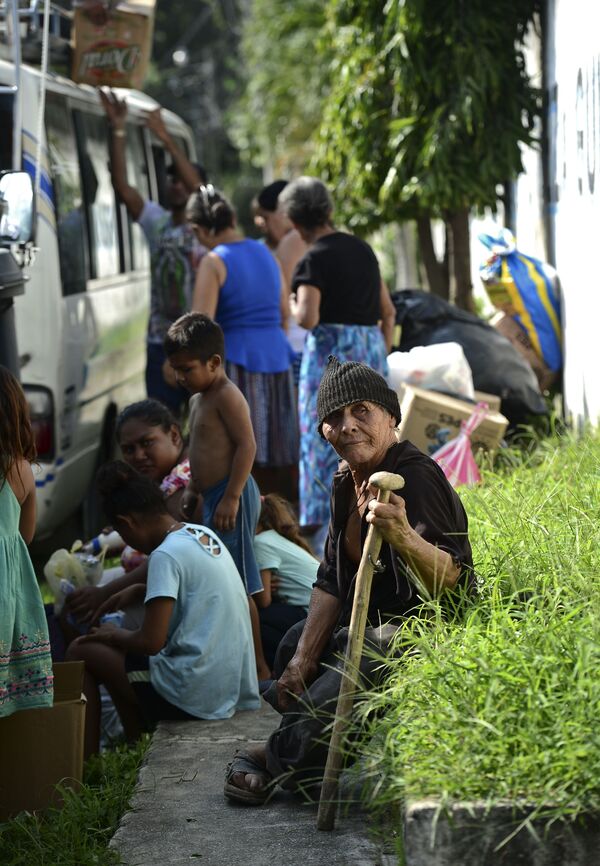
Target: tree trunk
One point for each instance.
(461, 259)
(438, 284)
(406, 256)
(446, 261)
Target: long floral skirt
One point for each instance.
(318, 460)
(272, 402)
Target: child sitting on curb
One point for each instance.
(177, 665)
(221, 450)
(288, 570)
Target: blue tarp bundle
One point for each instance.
(530, 290)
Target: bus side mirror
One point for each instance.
(16, 208)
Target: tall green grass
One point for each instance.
(77, 834)
(504, 704)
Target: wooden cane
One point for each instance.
(385, 482)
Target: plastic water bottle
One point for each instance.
(116, 618)
(105, 539)
(66, 586)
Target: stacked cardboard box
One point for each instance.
(492, 400)
(430, 419)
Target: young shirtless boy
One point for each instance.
(221, 450)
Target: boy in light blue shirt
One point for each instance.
(206, 666)
(192, 657)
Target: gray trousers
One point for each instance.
(297, 751)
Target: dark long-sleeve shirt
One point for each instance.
(433, 509)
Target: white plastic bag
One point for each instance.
(441, 367)
(66, 572)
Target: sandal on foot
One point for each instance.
(245, 763)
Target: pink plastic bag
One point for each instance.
(456, 457)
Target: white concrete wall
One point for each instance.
(572, 241)
(575, 201)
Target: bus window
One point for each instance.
(162, 161)
(70, 217)
(137, 176)
(6, 140)
(160, 167)
(181, 144)
(99, 194)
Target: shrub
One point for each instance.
(77, 834)
(504, 704)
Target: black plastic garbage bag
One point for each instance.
(496, 365)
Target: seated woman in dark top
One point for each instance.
(425, 543)
(337, 293)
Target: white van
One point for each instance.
(81, 323)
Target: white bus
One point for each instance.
(81, 323)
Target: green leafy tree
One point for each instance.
(197, 72)
(286, 64)
(429, 105)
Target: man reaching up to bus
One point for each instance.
(175, 251)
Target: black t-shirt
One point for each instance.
(433, 508)
(346, 272)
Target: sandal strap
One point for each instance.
(244, 763)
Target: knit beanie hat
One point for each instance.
(351, 382)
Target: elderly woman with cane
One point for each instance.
(425, 543)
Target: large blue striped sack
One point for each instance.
(527, 289)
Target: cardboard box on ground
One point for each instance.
(430, 419)
(112, 42)
(40, 748)
(492, 400)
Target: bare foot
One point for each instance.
(252, 781)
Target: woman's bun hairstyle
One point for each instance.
(207, 207)
(124, 491)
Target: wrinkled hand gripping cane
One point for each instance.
(385, 482)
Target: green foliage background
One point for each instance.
(429, 105)
(287, 64)
(503, 704)
(78, 833)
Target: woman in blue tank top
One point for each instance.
(239, 284)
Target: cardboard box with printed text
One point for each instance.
(112, 43)
(40, 748)
(430, 419)
(493, 400)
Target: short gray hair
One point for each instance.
(307, 202)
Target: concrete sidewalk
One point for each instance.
(179, 815)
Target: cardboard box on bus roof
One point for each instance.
(430, 419)
(112, 45)
(40, 748)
